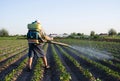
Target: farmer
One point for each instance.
(36, 37)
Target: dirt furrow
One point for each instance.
(50, 74)
(97, 72)
(11, 55)
(3, 61)
(10, 68)
(75, 73)
(109, 65)
(99, 58)
(25, 75)
(115, 61)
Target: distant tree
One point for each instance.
(112, 32)
(96, 36)
(118, 33)
(65, 34)
(73, 33)
(4, 32)
(79, 34)
(92, 33)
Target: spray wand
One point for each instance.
(59, 43)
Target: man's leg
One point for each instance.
(30, 62)
(45, 62)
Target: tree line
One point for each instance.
(111, 32)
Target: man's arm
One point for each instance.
(45, 37)
(48, 38)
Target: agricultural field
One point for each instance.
(84, 60)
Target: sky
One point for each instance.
(60, 16)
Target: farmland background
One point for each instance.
(85, 60)
(86, 45)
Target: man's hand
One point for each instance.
(51, 38)
(48, 38)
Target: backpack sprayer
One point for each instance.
(34, 35)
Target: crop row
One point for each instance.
(64, 75)
(11, 48)
(107, 70)
(16, 51)
(112, 47)
(16, 72)
(106, 60)
(85, 72)
(4, 44)
(13, 59)
(38, 70)
(7, 45)
(12, 76)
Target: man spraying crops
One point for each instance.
(36, 37)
